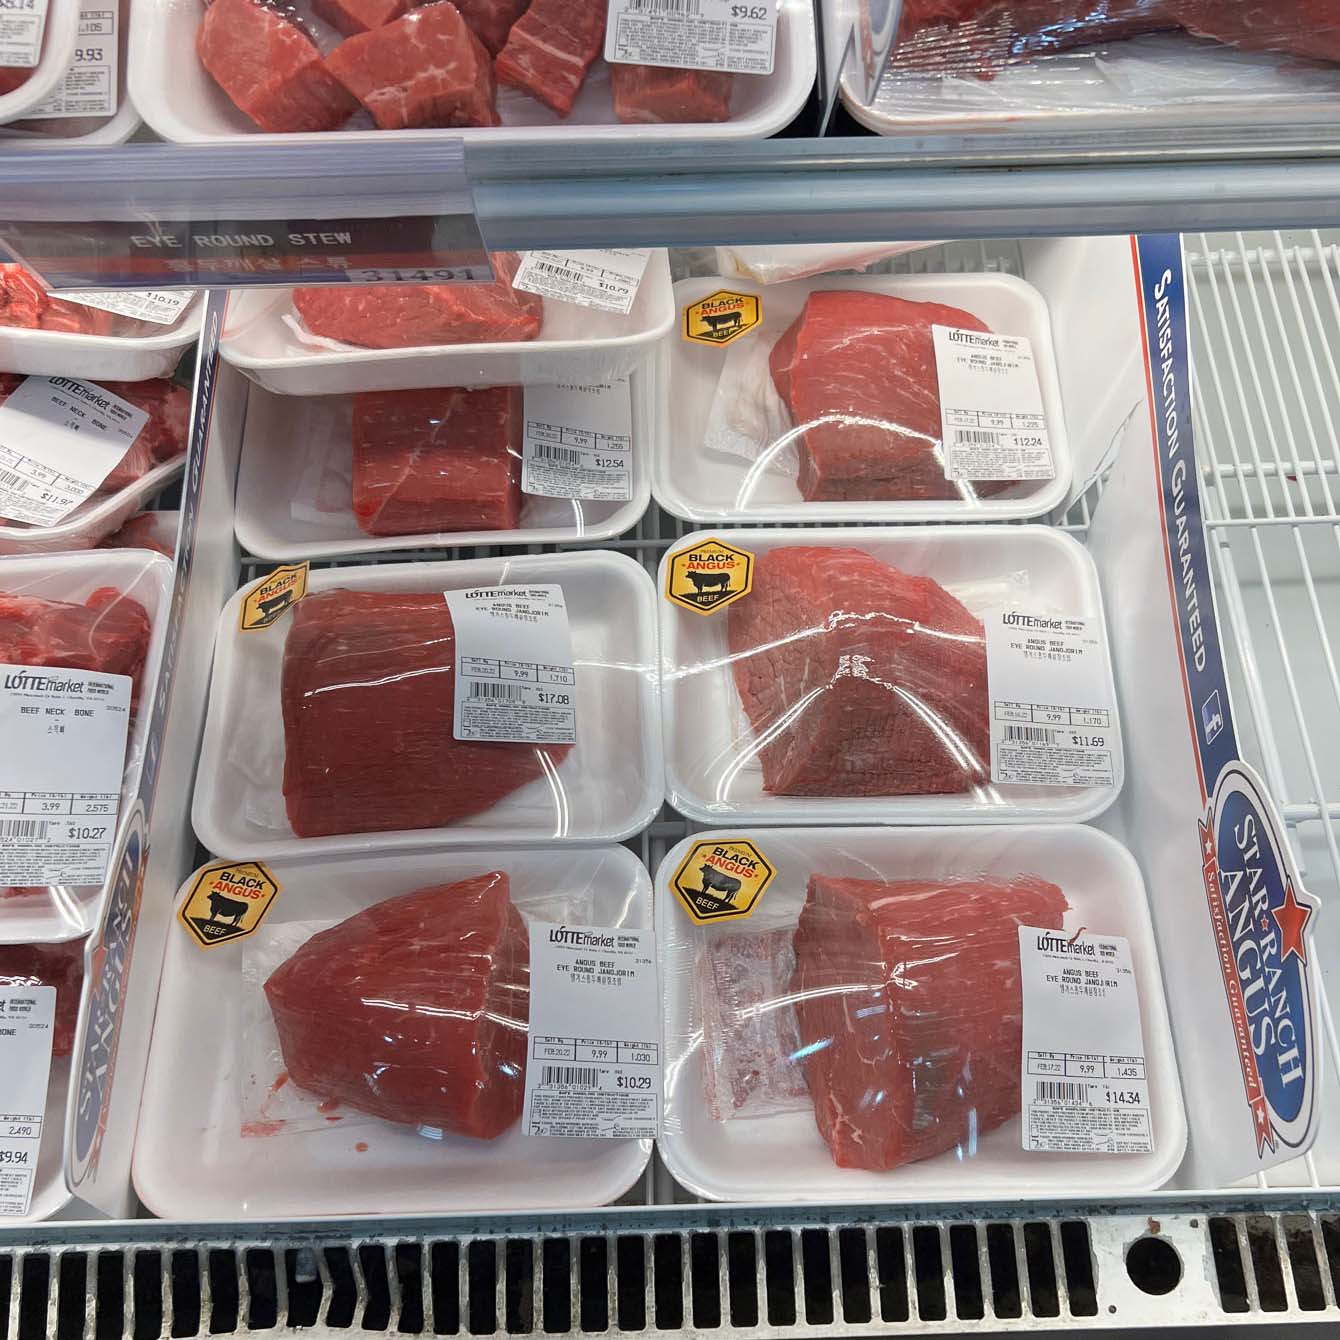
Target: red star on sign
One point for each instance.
(1291, 917)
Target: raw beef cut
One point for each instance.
(857, 372)
(425, 69)
(367, 692)
(25, 302)
(415, 1010)
(13, 77)
(653, 95)
(492, 20)
(359, 16)
(149, 530)
(428, 461)
(270, 68)
(910, 1010)
(58, 965)
(109, 632)
(398, 316)
(858, 679)
(550, 49)
(1309, 28)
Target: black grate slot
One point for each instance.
(1001, 1247)
(186, 1300)
(780, 1276)
(34, 1289)
(443, 1278)
(855, 1275)
(557, 1260)
(223, 1292)
(1077, 1257)
(891, 1260)
(481, 1268)
(704, 1280)
(1330, 1243)
(519, 1287)
(817, 1276)
(1302, 1249)
(668, 1281)
(263, 1306)
(1266, 1264)
(110, 1316)
(930, 1273)
(408, 1258)
(146, 1278)
(742, 1279)
(377, 1283)
(304, 1286)
(71, 1295)
(630, 1268)
(968, 1301)
(343, 1290)
(1040, 1260)
(6, 1286)
(593, 1255)
(1226, 1251)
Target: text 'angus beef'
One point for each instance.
(910, 1011)
(367, 689)
(858, 679)
(415, 1010)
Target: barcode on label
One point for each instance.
(1029, 734)
(1058, 1091)
(561, 271)
(13, 481)
(693, 7)
(512, 692)
(977, 437)
(24, 828)
(586, 1075)
(543, 452)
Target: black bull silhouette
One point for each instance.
(702, 581)
(278, 602)
(223, 908)
(726, 886)
(723, 320)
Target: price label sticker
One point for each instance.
(88, 87)
(739, 36)
(27, 1031)
(161, 306)
(578, 442)
(22, 23)
(607, 280)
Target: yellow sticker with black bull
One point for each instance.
(721, 879)
(708, 575)
(267, 601)
(722, 317)
(227, 901)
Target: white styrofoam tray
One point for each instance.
(121, 358)
(575, 344)
(783, 1157)
(115, 129)
(700, 484)
(281, 431)
(67, 913)
(712, 774)
(607, 788)
(192, 1161)
(58, 42)
(181, 102)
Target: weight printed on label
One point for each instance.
(59, 439)
(578, 442)
(514, 674)
(1084, 1081)
(161, 306)
(992, 420)
(22, 23)
(732, 35)
(88, 88)
(60, 773)
(27, 1031)
(607, 279)
(1053, 722)
(593, 1067)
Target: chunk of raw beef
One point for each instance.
(149, 530)
(25, 303)
(367, 690)
(857, 373)
(858, 679)
(359, 16)
(425, 69)
(1309, 28)
(58, 965)
(910, 1010)
(550, 49)
(270, 68)
(415, 1010)
(398, 316)
(653, 95)
(492, 20)
(441, 460)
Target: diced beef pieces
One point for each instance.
(492, 20)
(1308, 28)
(367, 688)
(425, 69)
(270, 69)
(440, 460)
(858, 679)
(415, 1010)
(58, 965)
(652, 95)
(359, 16)
(26, 304)
(398, 316)
(910, 1011)
(550, 49)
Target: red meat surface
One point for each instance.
(857, 372)
(270, 68)
(910, 1010)
(25, 302)
(398, 316)
(550, 49)
(58, 965)
(142, 532)
(12, 77)
(653, 95)
(425, 69)
(441, 460)
(1309, 28)
(858, 679)
(367, 691)
(359, 16)
(109, 632)
(492, 20)
(415, 1010)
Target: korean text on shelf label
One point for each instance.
(514, 674)
(1053, 722)
(22, 23)
(1085, 1087)
(607, 279)
(694, 34)
(162, 306)
(59, 439)
(594, 1065)
(60, 772)
(992, 420)
(578, 442)
(27, 1030)
(88, 87)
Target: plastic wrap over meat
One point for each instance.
(58, 965)
(776, 265)
(415, 1010)
(148, 530)
(27, 304)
